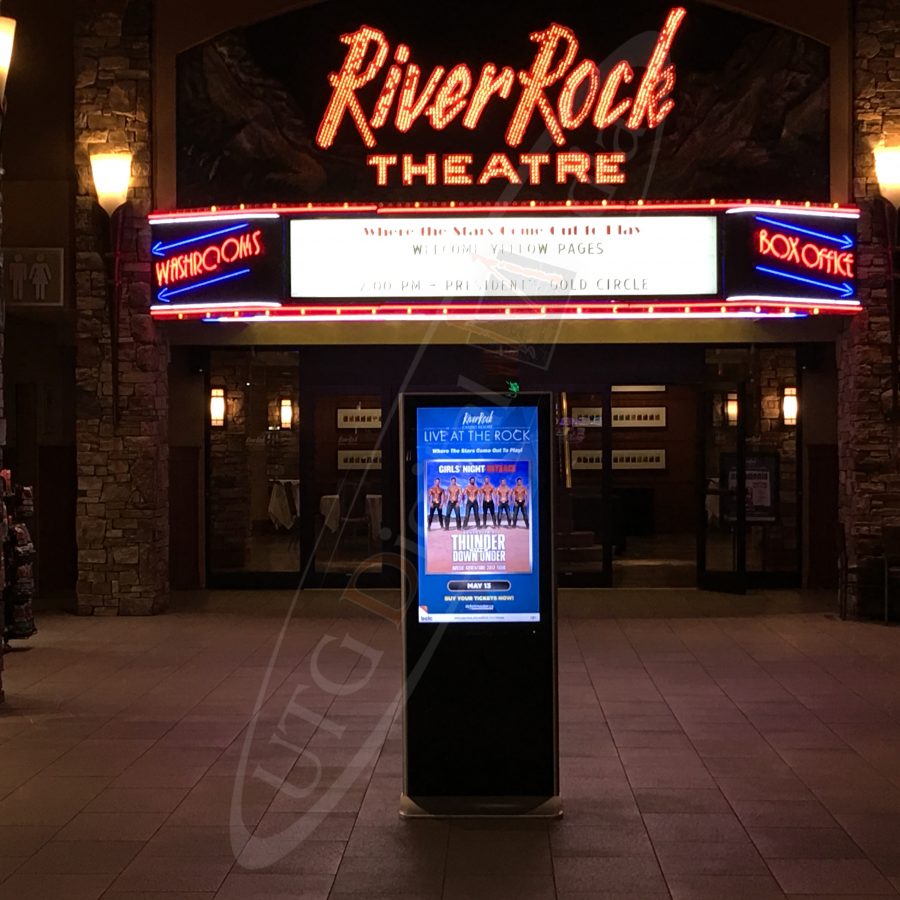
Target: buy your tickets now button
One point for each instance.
(478, 586)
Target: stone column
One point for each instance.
(2, 408)
(122, 514)
(869, 445)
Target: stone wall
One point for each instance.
(2, 410)
(869, 443)
(122, 513)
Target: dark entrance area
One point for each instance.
(653, 447)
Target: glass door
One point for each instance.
(722, 494)
(345, 490)
(654, 451)
(583, 476)
(253, 473)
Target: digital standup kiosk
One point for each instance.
(479, 608)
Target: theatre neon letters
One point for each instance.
(557, 91)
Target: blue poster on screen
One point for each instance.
(478, 528)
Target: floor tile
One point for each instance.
(112, 827)
(694, 827)
(504, 853)
(158, 895)
(725, 887)
(423, 838)
(151, 800)
(24, 840)
(49, 800)
(837, 876)
(786, 813)
(151, 873)
(9, 864)
(195, 842)
(805, 843)
(577, 837)
(460, 886)
(239, 886)
(82, 857)
(684, 858)
(383, 874)
(22, 886)
(681, 800)
(626, 874)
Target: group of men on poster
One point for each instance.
(475, 494)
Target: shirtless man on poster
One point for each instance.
(487, 502)
(472, 492)
(453, 492)
(436, 499)
(503, 492)
(520, 496)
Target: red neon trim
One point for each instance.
(682, 309)
(461, 208)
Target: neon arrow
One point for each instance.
(160, 249)
(845, 290)
(165, 295)
(844, 241)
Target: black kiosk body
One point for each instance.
(479, 606)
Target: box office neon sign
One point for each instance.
(448, 95)
(811, 252)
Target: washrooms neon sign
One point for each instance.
(199, 261)
(558, 91)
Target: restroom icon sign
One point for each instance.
(33, 276)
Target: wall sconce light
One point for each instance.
(790, 406)
(217, 407)
(287, 414)
(887, 170)
(112, 178)
(7, 39)
(731, 408)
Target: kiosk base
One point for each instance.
(480, 807)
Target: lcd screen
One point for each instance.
(477, 471)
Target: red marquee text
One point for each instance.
(210, 259)
(556, 90)
(806, 254)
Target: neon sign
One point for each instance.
(526, 261)
(446, 96)
(792, 249)
(209, 259)
(846, 289)
(233, 257)
(166, 294)
(791, 252)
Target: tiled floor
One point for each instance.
(709, 757)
